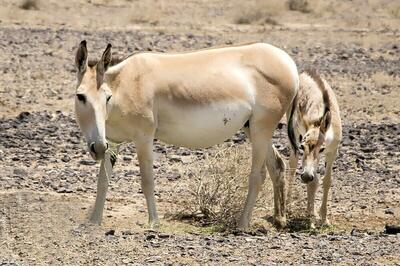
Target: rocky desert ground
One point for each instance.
(48, 180)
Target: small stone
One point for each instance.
(175, 158)
(87, 162)
(110, 232)
(173, 176)
(126, 261)
(127, 233)
(127, 158)
(66, 159)
(392, 229)
(163, 235)
(19, 172)
(150, 237)
(64, 190)
(389, 211)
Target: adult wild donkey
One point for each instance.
(317, 127)
(195, 99)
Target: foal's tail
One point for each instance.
(290, 126)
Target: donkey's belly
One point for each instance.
(200, 126)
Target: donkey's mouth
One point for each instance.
(97, 150)
(96, 156)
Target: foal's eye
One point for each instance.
(81, 97)
(321, 150)
(108, 98)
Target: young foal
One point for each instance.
(317, 127)
(195, 99)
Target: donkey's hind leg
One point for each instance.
(276, 170)
(293, 160)
(102, 187)
(255, 178)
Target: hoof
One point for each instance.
(312, 225)
(325, 222)
(280, 222)
(154, 225)
(243, 226)
(95, 221)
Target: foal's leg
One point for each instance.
(293, 160)
(311, 191)
(102, 186)
(255, 179)
(144, 148)
(276, 170)
(329, 157)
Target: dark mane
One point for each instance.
(114, 60)
(321, 85)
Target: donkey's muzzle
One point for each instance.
(97, 149)
(307, 178)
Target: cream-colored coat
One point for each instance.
(317, 128)
(195, 99)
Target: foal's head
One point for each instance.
(312, 144)
(92, 99)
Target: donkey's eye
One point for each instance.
(81, 97)
(321, 150)
(109, 97)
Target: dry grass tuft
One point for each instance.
(259, 12)
(394, 10)
(146, 12)
(299, 5)
(29, 5)
(382, 79)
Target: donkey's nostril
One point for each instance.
(306, 178)
(92, 147)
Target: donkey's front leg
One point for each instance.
(102, 186)
(145, 155)
(327, 183)
(311, 191)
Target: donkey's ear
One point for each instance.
(325, 122)
(81, 57)
(105, 60)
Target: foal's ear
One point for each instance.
(325, 122)
(81, 57)
(105, 60)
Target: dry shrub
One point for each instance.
(216, 190)
(299, 5)
(143, 12)
(394, 9)
(258, 12)
(29, 5)
(219, 188)
(382, 79)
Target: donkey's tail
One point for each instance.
(290, 126)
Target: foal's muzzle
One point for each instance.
(97, 149)
(307, 177)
